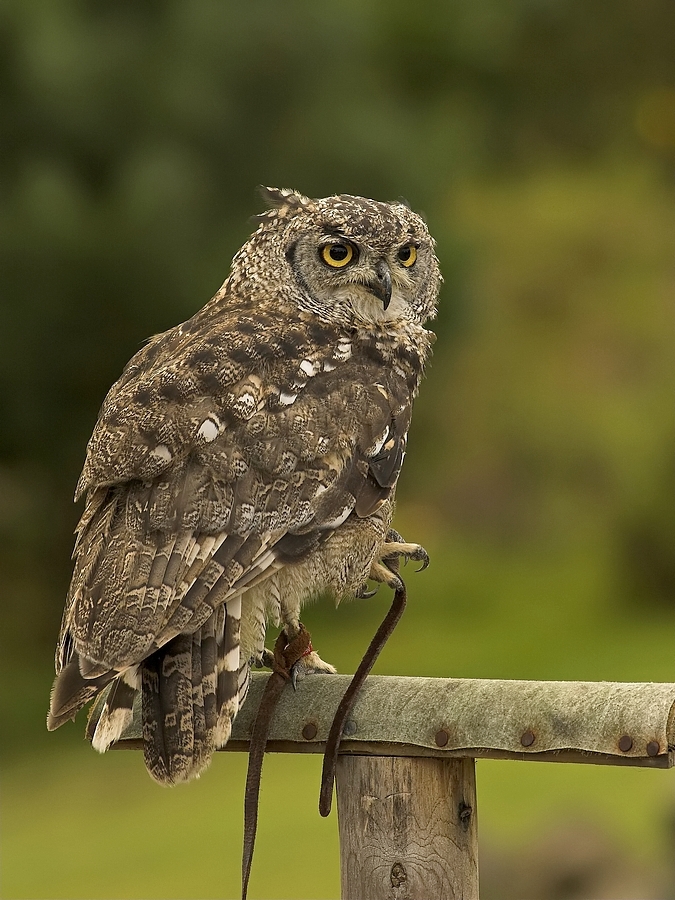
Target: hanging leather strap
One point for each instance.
(285, 656)
(330, 755)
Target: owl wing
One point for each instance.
(207, 471)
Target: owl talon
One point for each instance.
(386, 568)
(425, 565)
(401, 549)
(386, 574)
(364, 594)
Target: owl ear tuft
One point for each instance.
(284, 201)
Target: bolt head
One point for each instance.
(350, 728)
(309, 732)
(527, 738)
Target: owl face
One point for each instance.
(358, 261)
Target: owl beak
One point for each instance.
(381, 286)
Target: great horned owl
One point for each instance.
(245, 462)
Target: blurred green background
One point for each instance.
(538, 137)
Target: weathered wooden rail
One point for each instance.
(406, 777)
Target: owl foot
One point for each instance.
(310, 663)
(396, 546)
(264, 661)
(385, 569)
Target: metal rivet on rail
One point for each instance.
(653, 748)
(527, 738)
(625, 743)
(441, 737)
(350, 728)
(309, 731)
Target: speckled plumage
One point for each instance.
(245, 461)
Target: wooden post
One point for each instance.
(407, 828)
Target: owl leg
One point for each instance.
(310, 663)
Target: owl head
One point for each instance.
(349, 259)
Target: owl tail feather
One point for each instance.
(118, 710)
(190, 697)
(72, 690)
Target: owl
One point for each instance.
(244, 463)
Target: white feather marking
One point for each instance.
(110, 728)
(287, 399)
(223, 730)
(342, 352)
(209, 429)
(161, 452)
(335, 523)
(379, 444)
(206, 548)
(246, 403)
(309, 368)
(132, 677)
(234, 607)
(230, 662)
(192, 553)
(328, 366)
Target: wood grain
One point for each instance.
(407, 828)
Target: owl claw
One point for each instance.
(423, 558)
(386, 568)
(364, 594)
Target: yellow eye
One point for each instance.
(337, 255)
(407, 255)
